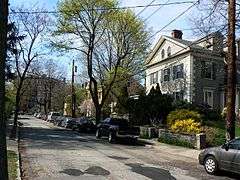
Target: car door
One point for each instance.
(105, 126)
(230, 158)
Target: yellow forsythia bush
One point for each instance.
(188, 126)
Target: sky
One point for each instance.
(154, 23)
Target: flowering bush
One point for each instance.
(182, 114)
(187, 126)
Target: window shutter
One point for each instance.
(202, 68)
(174, 72)
(214, 70)
(162, 75)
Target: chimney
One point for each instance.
(177, 34)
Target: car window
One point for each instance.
(107, 120)
(56, 114)
(119, 122)
(235, 144)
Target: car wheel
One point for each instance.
(210, 165)
(98, 134)
(111, 137)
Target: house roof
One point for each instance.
(185, 44)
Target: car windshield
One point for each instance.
(119, 122)
(56, 114)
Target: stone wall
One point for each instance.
(198, 141)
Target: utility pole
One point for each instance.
(74, 69)
(3, 56)
(231, 71)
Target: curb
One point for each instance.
(19, 164)
(153, 143)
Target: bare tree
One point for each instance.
(29, 50)
(110, 39)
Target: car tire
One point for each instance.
(111, 137)
(98, 134)
(211, 165)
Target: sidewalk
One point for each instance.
(171, 149)
(12, 145)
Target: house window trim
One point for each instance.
(163, 54)
(174, 74)
(153, 78)
(169, 74)
(204, 97)
(169, 53)
(212, 70)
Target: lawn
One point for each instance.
(12, 165)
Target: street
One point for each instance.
(49, 152)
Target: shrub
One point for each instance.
(182, 114)
(214, 136)
(188, 126)
(175, 141)
(206, 112)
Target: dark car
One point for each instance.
(58, 120)
(225, 157)
(68, 122)
(84, 124)
(115, 128)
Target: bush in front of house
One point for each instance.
(188, 126)
(175, 141)
(207, 113)
(182, 114)
(214, 136)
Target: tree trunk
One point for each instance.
(17, 107)
(98, 113)
(231, 72)
(3, 55)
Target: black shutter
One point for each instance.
(214, 70)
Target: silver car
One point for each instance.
(225, 157)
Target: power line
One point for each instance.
(154, 12)
(181, 14)
(145, 7)
(106, 9)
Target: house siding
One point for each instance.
(202, 84)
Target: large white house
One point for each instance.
(189, 70)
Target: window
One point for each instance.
(235, 144)
(153, 78)
(208, 70)
(178, 95)
(208, 97)
(178, 71)
(169, 51)
(163, 54)
(166, 74)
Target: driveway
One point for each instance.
(49, 152)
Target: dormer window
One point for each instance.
(163, 54)
(169, 51)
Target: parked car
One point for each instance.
(225, 157)
(115, 128)
(67, 122)
(84, 124)
(52, 116)
(39, 115)
(58, 120)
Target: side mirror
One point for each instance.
(226, 146)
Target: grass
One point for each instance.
(12, 165)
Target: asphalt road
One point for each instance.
(49, 152)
